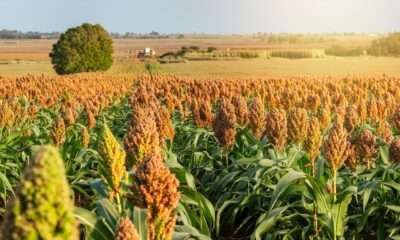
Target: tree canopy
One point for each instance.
(86, 48)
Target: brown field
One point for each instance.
(39, 49)
(20, 57)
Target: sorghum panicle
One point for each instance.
(159, 189)
(202, 113)
(324, 116)
(224, 125)
(313, 103)
(242, 111)
(373, 112)
(114, 160)
(384, 131)
(142, 138)
(85, 137)
(313, 141)
(336, 145)
(351, 160)
(257, 117)
(297, 125)
(396, 118)
(276, 128)
(366, 146)
(69, 116)
(58, 132)
(91, 120)
(362, 111)
(126, 230)
(394, 150)
(42, 208)
(351, 119)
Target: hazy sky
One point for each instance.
(210, 16)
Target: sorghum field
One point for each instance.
(164, 157)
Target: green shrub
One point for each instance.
(292, 54)
(169, 54)
(387, 46)
(344, 52)
(194, 48)
(87, 48)
(248, 54)
(238, 54)
(211, 49)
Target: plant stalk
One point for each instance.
(334, 185)
(119, 206)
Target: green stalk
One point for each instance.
(226, 156)
(119, 206)
(368, 163)
(313, 168)
(334, 199)
(315, 218)
(334, 185)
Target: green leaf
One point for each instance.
(266, 163)
(5, 184)
(99, 187)
(204, 207)
(185, 232)
(220, 212)
(108, 211)
(284, 184)
(95, 227)
(384, 154)
(294, 154)
(395, 208)
(393, 185)
(367, 195)
(267, 221)
(321, 197)
(140, 222)
(339, 214)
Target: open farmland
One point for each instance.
(286, 67)
(256, 67)
(39, 49)
(19, 57)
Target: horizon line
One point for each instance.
(218, 34)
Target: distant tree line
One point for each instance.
(386, 46)
(150, 35)
(14, 34)
(296, 39)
